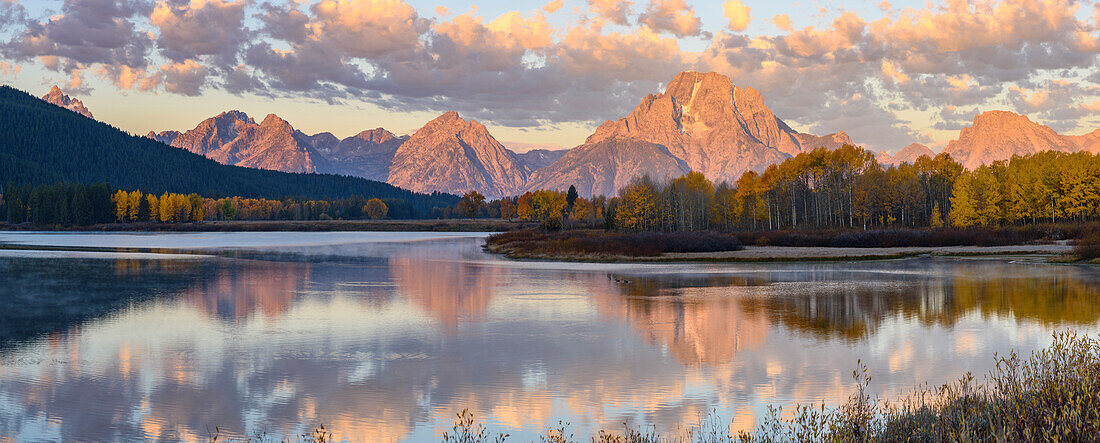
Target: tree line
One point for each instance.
(826, 189)
(71, 204)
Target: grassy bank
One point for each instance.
(799, 245)
(1053, 395)
(448, 225)
(915, 237)
(599, 245)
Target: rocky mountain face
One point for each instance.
(56, 97)
(702, 121)
(234, 138)
(908, 154)
(604, 166)
(450, 154)
(1088, 142)
(998, 135)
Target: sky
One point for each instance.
(545, 73)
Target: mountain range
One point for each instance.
(701, 122)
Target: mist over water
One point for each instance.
(385, 336)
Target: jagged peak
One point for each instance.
(239, 115)
(449, 116)
(58, 98)
(275, 120)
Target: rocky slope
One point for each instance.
(1088, 142)
(450, 154)
(56, 97)
(703, 122)
(540, 158)
(998, 135)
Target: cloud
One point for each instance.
(953, 118)
(11, 14)
(87, 32)
(673, 16)
(553, 6)
(1058, 103)
(893, 73)
(200, 27)
(9, 68)
(737, 14)
(367, 28)
(126, 77)
(615, 11)
(781, 21)
(186, 78)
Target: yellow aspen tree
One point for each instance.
(135, 203)
(121, 201)
(963, 212)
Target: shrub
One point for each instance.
(1088, 246)
(535, 243)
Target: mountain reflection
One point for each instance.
(695, 320)
(253, 287)
(391, 347)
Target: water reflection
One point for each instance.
(386, 341)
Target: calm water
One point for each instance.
(384, 336)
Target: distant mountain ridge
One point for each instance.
(908, 154)
(234, 138)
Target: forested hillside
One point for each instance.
(41, 143)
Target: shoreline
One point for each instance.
(426, 225)
(764, 254)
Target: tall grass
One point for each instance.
(590, 243)
(902, 237)
(1087, 246)
(1054, 395)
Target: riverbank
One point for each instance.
(601, 246)
(432, 225)
(796, 253)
